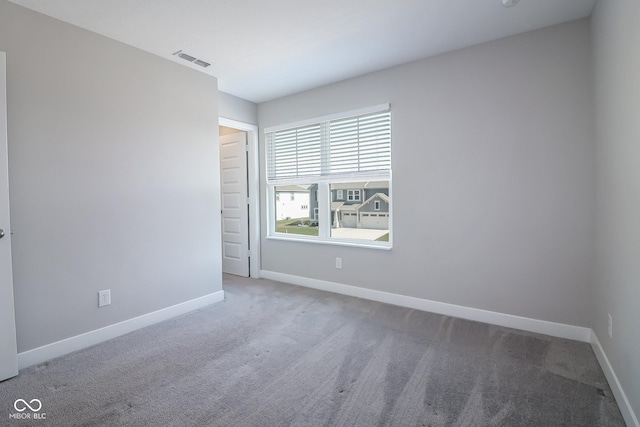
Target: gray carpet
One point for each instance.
(279, 355)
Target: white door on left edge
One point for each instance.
(8, 348)
(235, 209)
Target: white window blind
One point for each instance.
(347, 146)
(294, 152)
(360, 144)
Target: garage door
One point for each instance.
(349, 219)
(377, 221)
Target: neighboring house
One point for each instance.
(356, 205)
(292, 201)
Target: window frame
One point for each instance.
(354, 196)
(323, 196)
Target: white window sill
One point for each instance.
(385, 246)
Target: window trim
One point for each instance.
(329, 117)
(323, 190)
(354, 196)
(365, 244)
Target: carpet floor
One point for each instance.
(279, 355)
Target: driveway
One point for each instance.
(357, 233)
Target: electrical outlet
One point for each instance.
(610, 328)
(104, 297)
(338, 262)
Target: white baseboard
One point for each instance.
(68, 345)
(560, 330)
(621, 397)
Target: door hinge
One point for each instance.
(249, 253)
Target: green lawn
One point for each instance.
(384, 238)
(296, 226)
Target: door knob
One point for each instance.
(1, 233)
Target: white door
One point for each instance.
(235, 208)
(8, 348)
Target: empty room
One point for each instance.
(337, 213)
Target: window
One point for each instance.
(343, 162)
(290, 216)
(354, 220)
(353, 195)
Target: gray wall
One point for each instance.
(496, 141)
(615, 34)
(114, 178)
(234, 108)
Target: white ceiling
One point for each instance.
(261, 50)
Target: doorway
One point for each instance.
(239, 194)
(8, 347)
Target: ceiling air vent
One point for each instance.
(193, 59)
(201, 63)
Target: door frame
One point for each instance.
(9, 351)
(253, 181)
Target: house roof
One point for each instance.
(292, 189)
(336, 205)
(377, 184)
(382, 196)
(355, 207)
(350, 208)
(359, 185)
